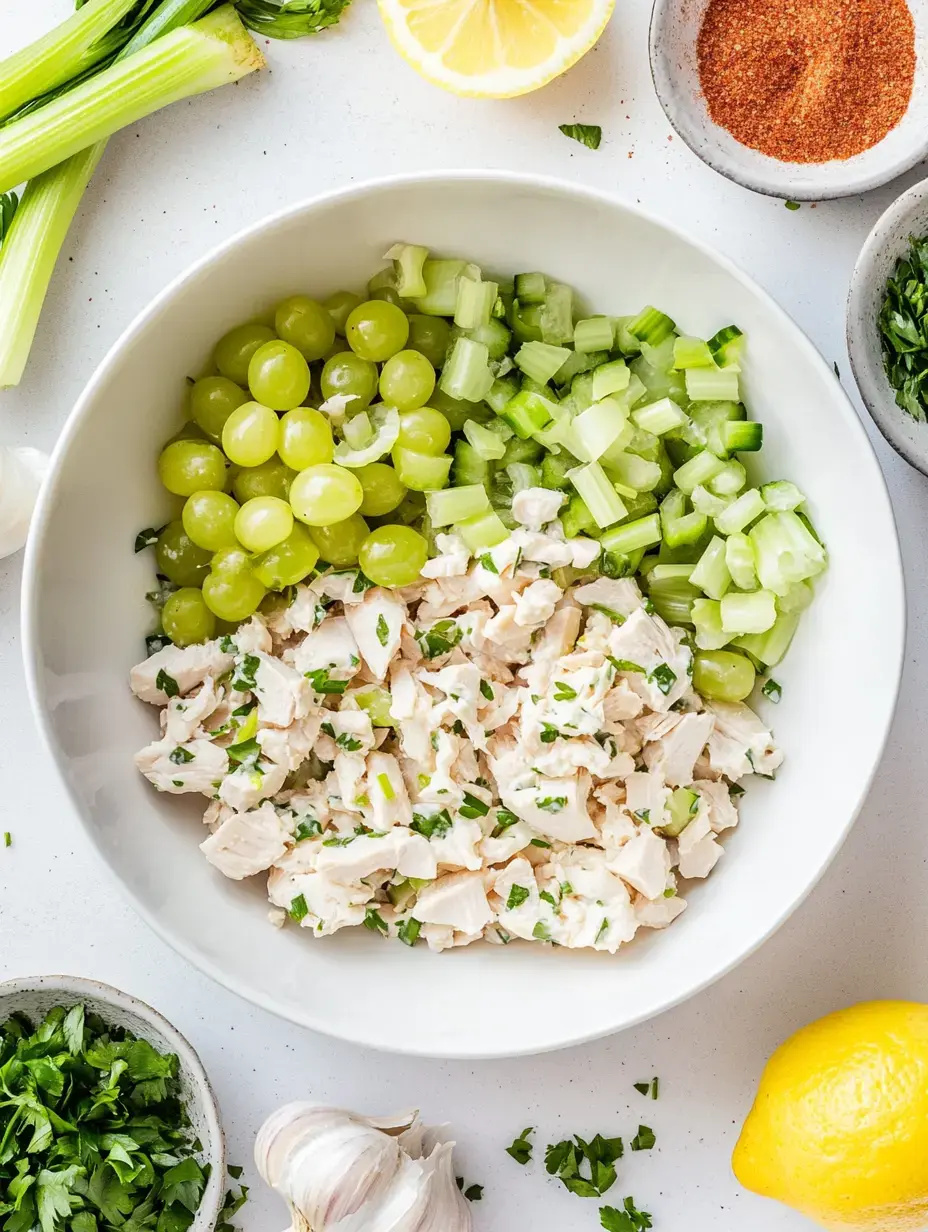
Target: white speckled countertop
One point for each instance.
(335, 109)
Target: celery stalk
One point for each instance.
(215, 50)
(30, 250)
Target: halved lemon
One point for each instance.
(494, 48)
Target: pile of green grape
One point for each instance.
(264, 500)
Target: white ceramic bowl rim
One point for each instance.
(310, 1015)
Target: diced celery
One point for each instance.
(408, 261)
(712, 385)
(518, 450)
(698, 470)
(685, 530)
(489, 445)
(594, 334)
(633, 471)
(781, 496)
(575, 363)
(730, 480)
(726, 346)
(673, 599)
(539, 361)
(599, 427)
(651, 326)
(419, 471)
(466, 373)
(358, 431)
(611, 378)
(484, 531)
(576, 517)
(529, 288)
(741, 512)
(634, 391)
(522, 476)
(663, 572)
(709, 420)
(645, 444)
(658, 417)
(495, 337)
(441, 287)
(705, 502)
(525, 321)
(785, 551)
(554, 472)
(659, 355)
(743, 436)
(739, 557)
(557, 314)
(630, 536)
(748, 613)
(711, 573)
(457, 504)
(602, 500)
(527, 413)
(469, 466)
(797, 598)
(682, 807)
(707, 617)
(625, 341)
(638, 503)
(770, 647)
(473, 305)
(500, 392)
(692, 353)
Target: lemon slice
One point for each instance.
(494, 48)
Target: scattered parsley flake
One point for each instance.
(563, 692)
(629, 1219)
(539, 842)
(644, 1139)
(147, 538)
(565, 1160)
(245, 679)
(439, 639)
(7, 839)
(375, 922)
(180, 756)
(625, 665)
(540, 931)
(408, 931)
(487, 690)
(487, 562)
(552, 804)
(589, 135)
(664, 677)
(792, 205)
(521, 1148)
(517, 896)
(383, 630)
(434, 825)
(772, 690)
(298, 909)
(307, 829)
(322, 682)
(473, 807)
(167, 684)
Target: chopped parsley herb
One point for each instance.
(234, 1170)
(540, 932)
(338, 840)
(458, 728)
(629, 1219)
(167, 684)
(664, 677)
(552, 804)
(563, 692)
(435, 825)
(521, 1149)
(386, 787)
(7, 839)
(772, 690)
(648, 605)
(539, 842)
(549, 734)
(473, 806)
(549, 898)
(487, 690)
(155, 642)
(565, 1160)
(181, 756)
(517, 896)
(433, 740)
(566, 888)
(226, 645)
(644, 815)
(643, 1140)
(322, 682)
(408, 931)
(439, 639)
(736, 790)
(244, 682)
(350, 744)
(487, 562)
(147, 538)
(375, 922)
(361, 584)
(642, 1087)
(307, 829)
(670, 892)
(589, 135)
(383, 630)
(327, 730)
(473, 1193)
(241, 711)
(791, 205)
(614, 616)
(603, 929)
(625, 665)
(504, 819)
(298, 909)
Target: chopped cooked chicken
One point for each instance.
(540, 743)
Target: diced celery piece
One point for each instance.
(529, 288)
(709, 420)
(602, 500)
(659, 356)
(525, 321)
(797, 598)
(419, 471)
(466, 373)
(642, 533)
(743, 436)
(692, 353)
(539, 361)
(457, 504)
(527, 413)
(575, 363)
(739, 557)
(633, 471)
(730, 479)
(474, 303)
(594, 334)
(682, 807)
(658, 417)
(611, 378)
(469, 466)
(686, 530)
(581, 393)
(493, 334)
(707, 617)
(358, 430)
(554, 472)
(599, 427)
(711, 573)
(441, 287)
(638, 503)
(408, 260)
(557, 314)
(712, 385)
(741, 512)
(770, 647)
(673, 599)
(663, 572)
(698, 470)
(518, 450)
(576, 517)
(651, 326)
(785, 551)
(781, 496)
(485, 530)
(634, 391)
(726, 346)
(625, 341)
(705, 502)
(755, 612)
(522, 476)
(500, 392)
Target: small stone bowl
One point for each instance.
(886, 243)
(675, 26)
(36, 995)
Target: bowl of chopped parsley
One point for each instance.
(107, 1119)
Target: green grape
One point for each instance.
(263, 522)
(305, 324)
(430, 336)
(305, 438)
(278, 376)
(189, 466)
(186, 619)
(251, 434)
(338, 347)
(233, 559)
(723, 675)
(339, 305)
(409, 510)
(271, 478)
(407, 380)
(393, 555)
(212, 401)
(234, 350)
(377, 702)
(209, 520)
(389, 295)
(376, 330)
(326, 493)
(233, 595)
(289, 562)
(340, 542)
(178, 558)
(457, 411)
(424, 430)
(347, 373)
(382, 489)
(188, 431)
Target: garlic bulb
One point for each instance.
(341, 1172)
(21, 473)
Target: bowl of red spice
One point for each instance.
(801, 99)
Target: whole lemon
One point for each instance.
(839, 1128)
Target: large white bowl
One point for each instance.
(84, 615)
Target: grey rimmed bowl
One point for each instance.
(886, 243)
(675, 28)
(34, 996)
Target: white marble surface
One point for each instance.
(333, 110)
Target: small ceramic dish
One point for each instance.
(36, 995)
(886, 243)
(675, 26)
